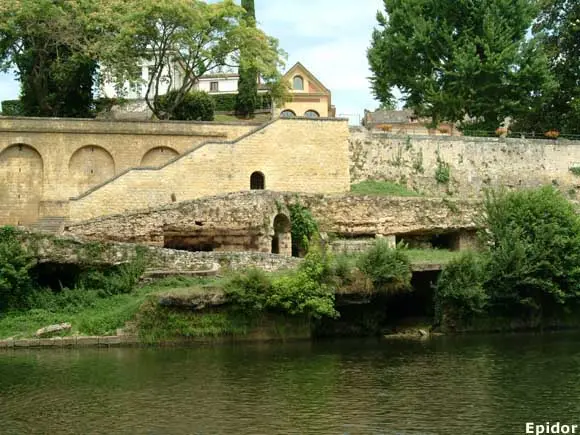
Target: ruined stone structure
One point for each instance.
(474, 163)
(259, 221)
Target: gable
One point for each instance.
(314, 85)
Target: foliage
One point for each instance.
(15, 264)
(575, 170)
(443, 171)
(195, 37)
(249, 291)
(388, 269)
(453, 60)
(460, 293)
(12, 108)
(381, 188)
(112, 281)
(227, 102)
(194, 106)
(248, 83)
(48, 43)
(304, 227)
(534, 241)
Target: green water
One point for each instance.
(449, 385)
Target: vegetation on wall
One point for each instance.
(388, 269)
(381, 188)
(304, 227)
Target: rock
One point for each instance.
(423, 333)
(53, 329)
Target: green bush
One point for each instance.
(388, 269)
(533, 237)
(16, 284)
(304, 292)
(196, 106)
(304, 227)
(113, 281)
(227, 102)
(12, 108)
(460, 292)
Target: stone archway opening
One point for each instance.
(282, 238)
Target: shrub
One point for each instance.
(304, 227)
(460, 292)
(15, 264)
(249, 291)
(388, 269)
(533, 238)
(227, 102)
(112, 281)
(196, 106)
(443, 171)
(12, 108)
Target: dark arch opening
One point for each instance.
(287, 114)
(257, 181)
(282, 240)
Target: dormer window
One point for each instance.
(298, 84)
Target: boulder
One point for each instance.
(53, 329)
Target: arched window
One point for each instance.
(311, 114)
(257, 181)
(287, 114)
(298, 83)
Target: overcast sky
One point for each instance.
(329, 37)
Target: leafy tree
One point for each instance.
(558, 30)
(46, 41)
(189, 38)
(248, 83)
(457, 59)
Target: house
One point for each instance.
(308, 96)
(405, 122)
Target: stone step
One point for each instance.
(156, 274)
(50, 224)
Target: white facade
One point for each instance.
(218, 84)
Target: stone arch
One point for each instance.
(257, 181)
(21, 184)
(88, 166)
(282, 239)
(158, 156)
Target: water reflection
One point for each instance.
(462, 385)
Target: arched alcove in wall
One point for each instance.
(21, 182)
(88, 166)
(282, 239)
(158, 156)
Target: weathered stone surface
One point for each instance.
(87, 341)
(53, 329)
(475, 163)
(33, 342)
(112, 340)
(193, 299)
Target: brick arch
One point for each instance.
(21, 183)
(158, 156)
(88, 166)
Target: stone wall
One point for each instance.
(475, 163)
(245, 216)
(300, 155)
(43, 162)
(70, 250)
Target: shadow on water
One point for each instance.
(447, 385)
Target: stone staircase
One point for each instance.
(50, 224)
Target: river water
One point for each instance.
(446, 385)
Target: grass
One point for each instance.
(88, 311)
(439, 256)
(381, 188)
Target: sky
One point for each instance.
(329, 37)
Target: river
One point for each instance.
(446, 385)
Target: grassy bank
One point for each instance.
(382, 188)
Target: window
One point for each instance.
(298, 83)
(287, 114)
(257, 181)
(214, 86)
(311, 114)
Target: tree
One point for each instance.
(457, 59)
(558, 29)
(248, 82)
(185, 39)
(45, 41)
